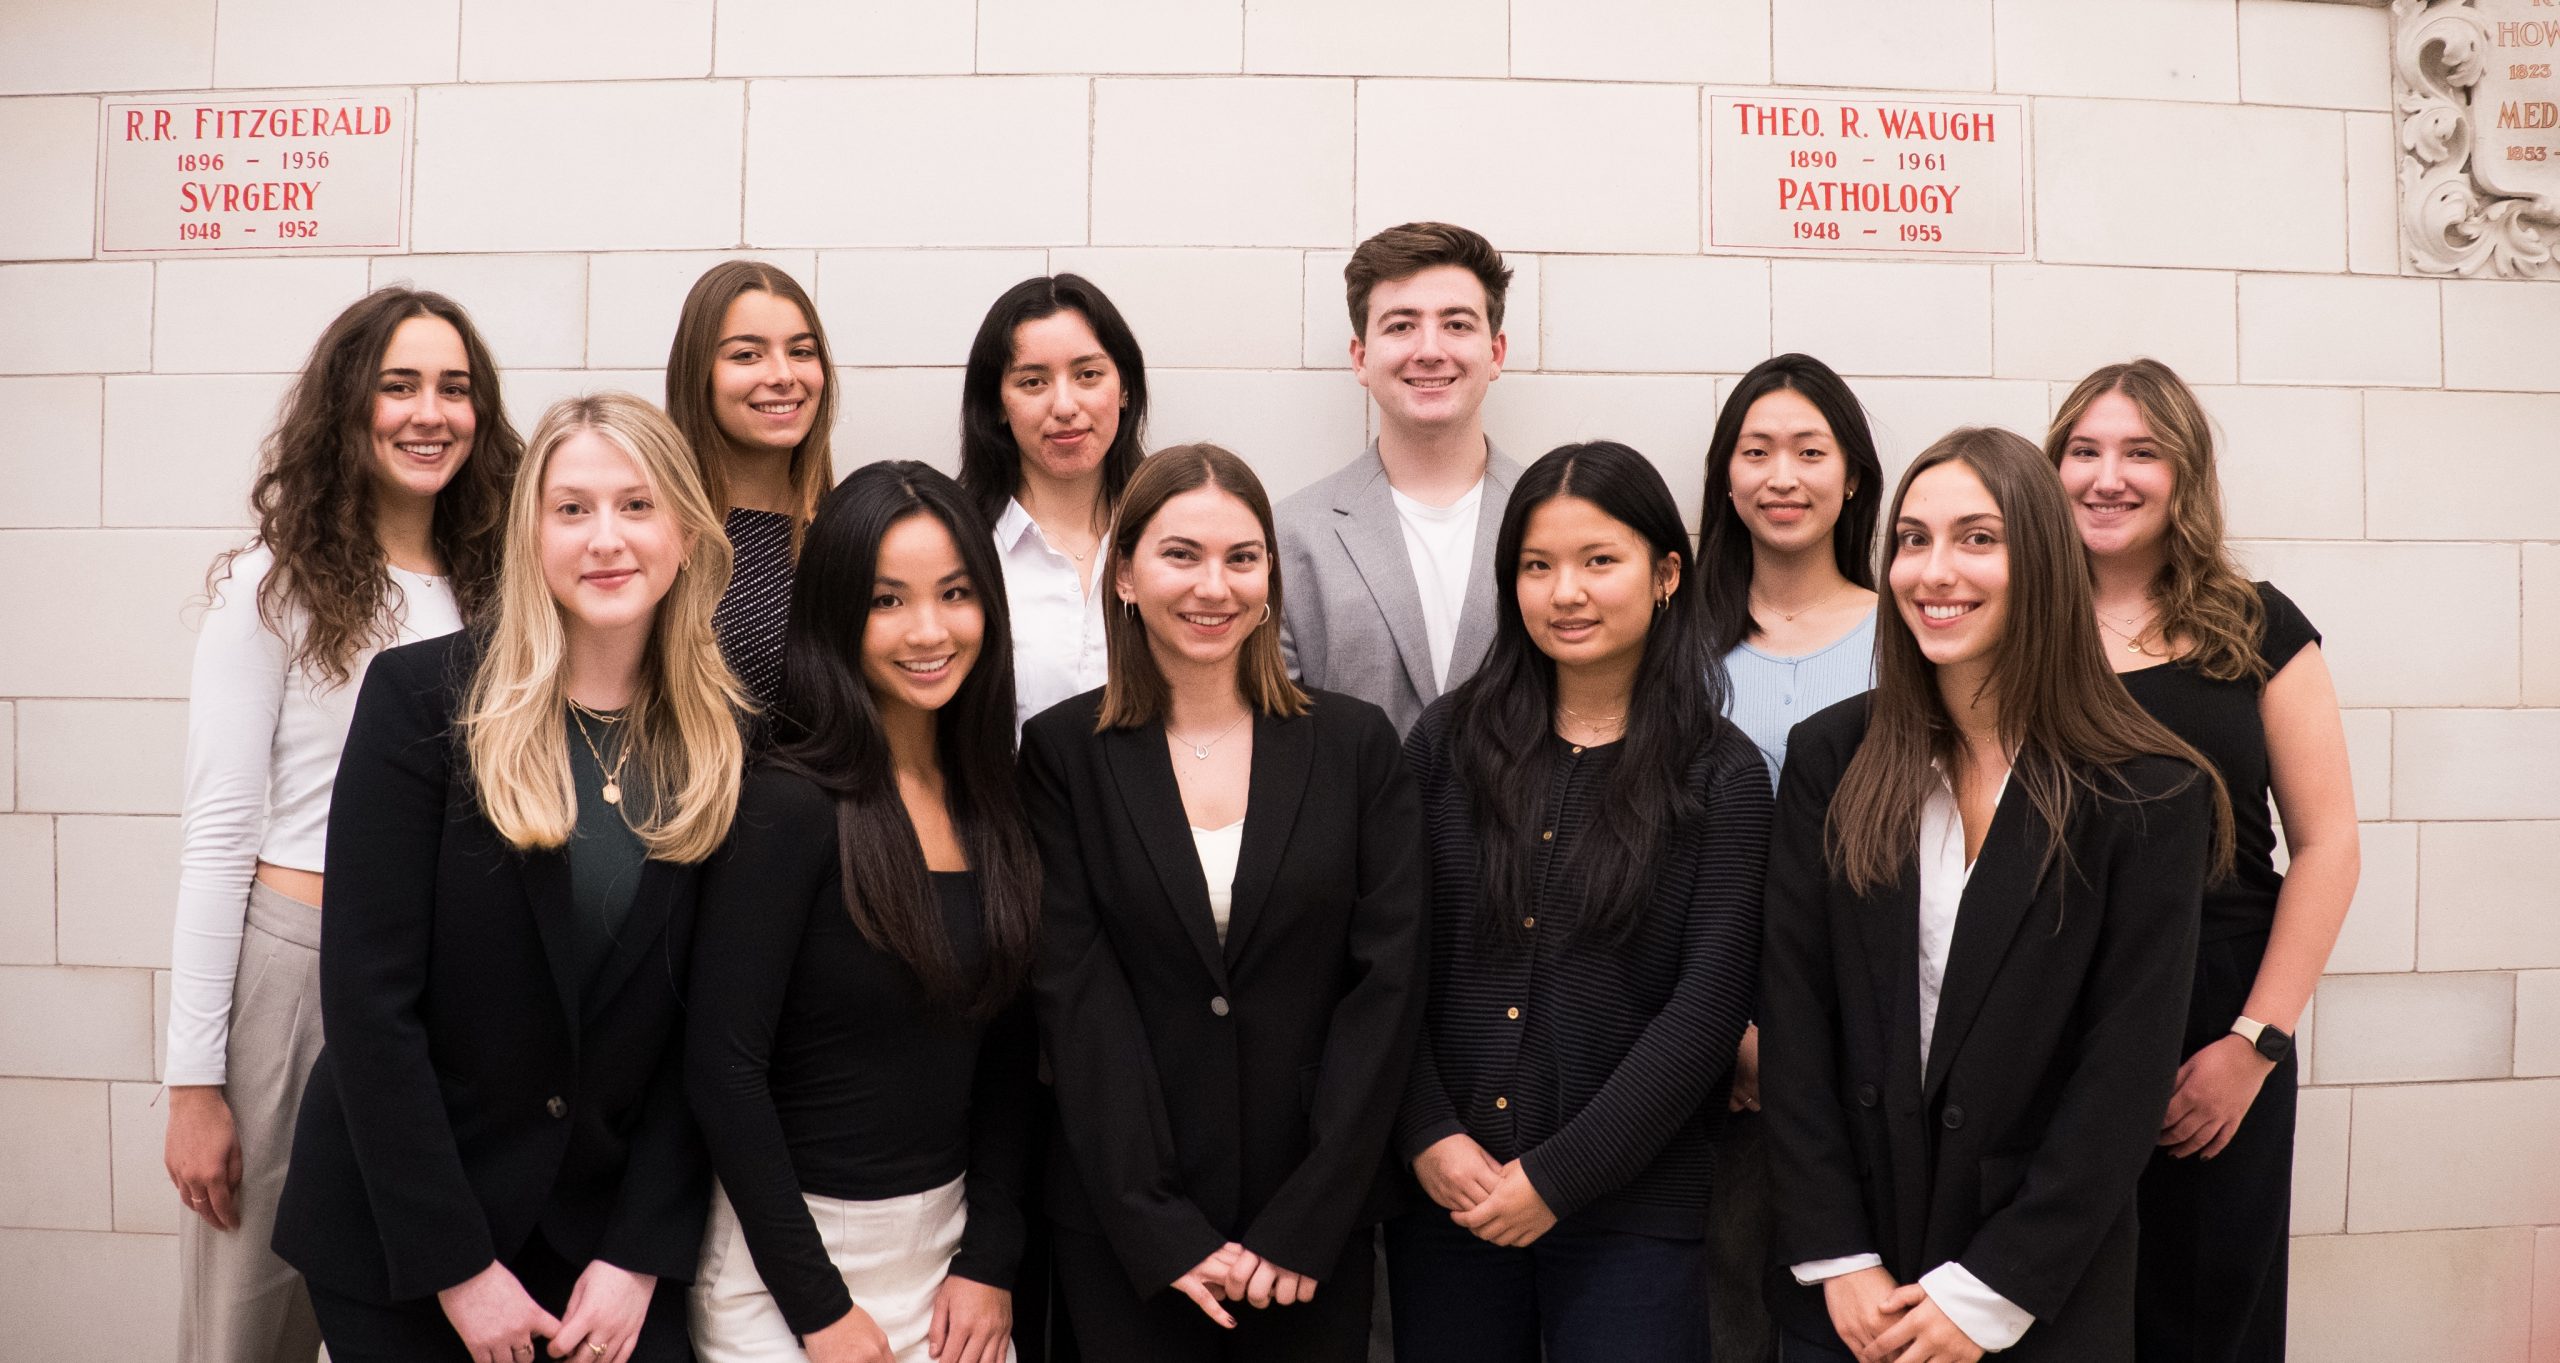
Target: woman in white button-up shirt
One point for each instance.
(1053, 415)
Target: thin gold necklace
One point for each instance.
(613, 778)
(1790, 616)
(1603, 722)
(2132, 641)
(1201, 750)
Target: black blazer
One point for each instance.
(1208, 1094)
(471, 1088)
(2017, 1151)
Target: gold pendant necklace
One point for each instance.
(612, 778)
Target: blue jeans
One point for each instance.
(1580, 1295)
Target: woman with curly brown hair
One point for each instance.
(2235, 669)
(378, 505)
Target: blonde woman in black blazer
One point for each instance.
(1982, 908)
(1229, 979)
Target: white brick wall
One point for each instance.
(2213, 183)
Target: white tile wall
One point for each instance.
(2381, 929)
(2320, 1161)
(49, 442)
(912, 307)
(2331, 56)
(101, 756)
(66, 1022)
(106, 45)
(2500, 336)
(1351, 37)
(1883, 317)
(2061, 321)
(53, 1155)
(2293, 329)
(1616, 166)
(2546, 1295)
(2373, 193)
(899, 414)
(1906, 416)
(845, 37)
(334, 42)
(98, 318)
(2222, 186)
(26, 889)
(1274, 180)
(8, 756)
(656, 166)
(2179, 49)
(2537, 1022)
(1133, 35)
(139, 1119)
(2405, 624)
(1292, 427)
(1722, 41)
(2369, 759)
(872, 163)
(201, 312)
(2542, 624)
(530, 310)
(140, 578)
(2486, 900)
(85, 1294)
(1666, 417)
(2383, 1298)
(633, 301)
(2291, 460)
(49, 157)
(2457, 764)
(1895, 44)
(585, 39)
(2380, 1029)
(119, 889)
(2446, 1155)
(1194, 308)
(1654, 314)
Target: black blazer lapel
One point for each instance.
(1996, 899)
(641, 930)
(1891, 927)
(1143, 772)
(1283, 753)
(546, 888)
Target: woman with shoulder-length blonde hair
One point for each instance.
(1981, 917)
(1229, 978)
(2235, 669)
(750, 384)
(495, 1145)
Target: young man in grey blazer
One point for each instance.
(1390, 592)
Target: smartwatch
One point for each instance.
(2268, 1040)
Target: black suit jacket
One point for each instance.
(471, 1088)
(2016, 1152)
(1209, 1093)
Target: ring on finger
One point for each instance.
(597, 1349)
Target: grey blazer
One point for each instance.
(1352, 618)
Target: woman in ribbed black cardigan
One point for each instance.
(1597, 832)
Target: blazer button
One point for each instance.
(556, 1108)
(1866, 1095)
(1218, 1005)
(1952, 1118)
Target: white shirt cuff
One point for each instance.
(1812, 1271)
(1990, 1320)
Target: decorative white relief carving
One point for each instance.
(2473, 88)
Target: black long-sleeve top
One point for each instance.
(816, 1065)
(1599, 1066)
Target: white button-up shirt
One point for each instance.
(1058, 646)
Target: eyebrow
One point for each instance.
(1993, 517)
(1595, 544)
(1453, 310)
(411, 373)
(1080, 359)
(947, 579)
(1189, 543)
(1799, 432)
(759, 340)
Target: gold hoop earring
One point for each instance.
(1266, 612)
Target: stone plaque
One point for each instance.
(271, 172)
(1880, 173)
(2478, 115)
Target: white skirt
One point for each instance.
(893, 1253)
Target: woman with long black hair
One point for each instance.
(1982, 913)
(860, 1053)
(1597, 830)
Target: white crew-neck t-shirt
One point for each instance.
(1441, 541)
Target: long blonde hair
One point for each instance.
(683, 719)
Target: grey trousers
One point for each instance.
(239, 1303)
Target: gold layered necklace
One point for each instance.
(578, 716)
(2117, 627)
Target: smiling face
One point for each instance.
(2118, 479)
(766, 376)
(1427, 354)
(1587, 583)
(1950, 567)
(1789, 478)
(1200, 576)
(423, 420)
(1062, 396)
(610, 550)
(926, 621)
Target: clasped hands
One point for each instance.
(1494, 1201)
(1883, 1322)
(1235, 1273)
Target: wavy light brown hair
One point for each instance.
(696, 350)
(684, 716)
(2061, 709)
(1406, 250)
(314, 492)
(2206, 602)
(1135, 691)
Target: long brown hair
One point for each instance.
(689, 363)
(314, 492)
(1136, 692)
(2205, 601)
(2061, 709)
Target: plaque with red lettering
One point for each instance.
(1873, 174)
(269, 172)
(2516, 106)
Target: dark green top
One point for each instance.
(605, 856)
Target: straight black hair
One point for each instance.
(830, 731)
(1501, 718)
(1724, 542)
(990, 461)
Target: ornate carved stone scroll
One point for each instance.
(2478, 117)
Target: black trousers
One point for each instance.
(2210, 1287)
(417, 1332)
(1112, 1322)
